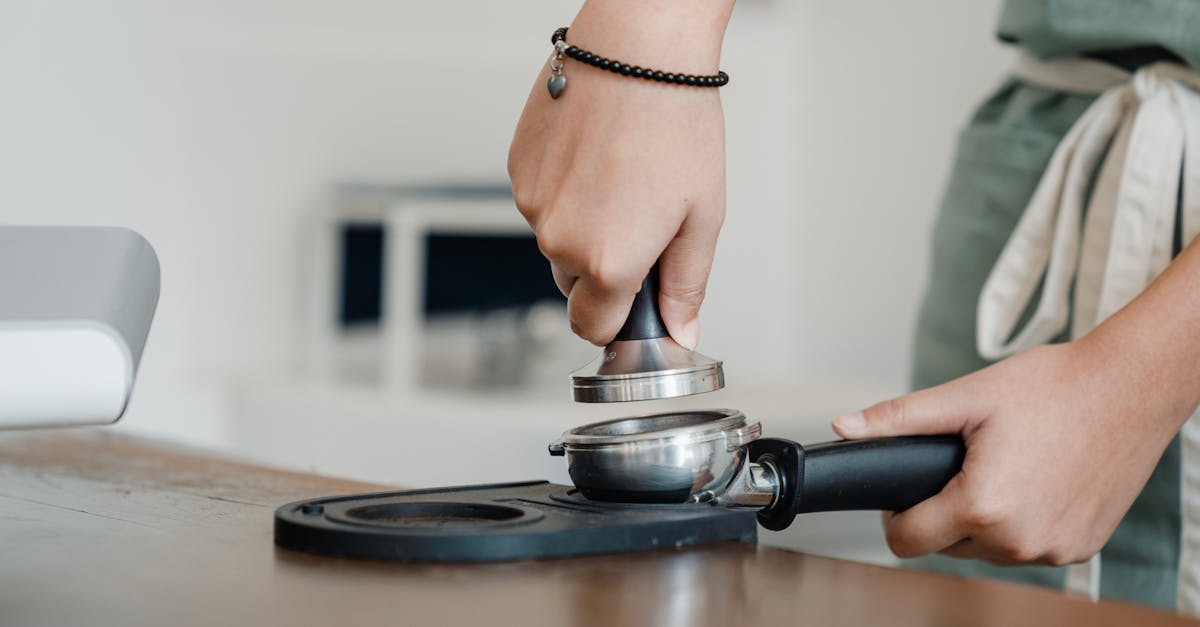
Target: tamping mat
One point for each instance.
(507, 521)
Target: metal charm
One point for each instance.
(557, 82)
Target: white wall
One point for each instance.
(886, 86)
(212, 127)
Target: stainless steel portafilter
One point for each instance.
(643, 362)
(719, 457)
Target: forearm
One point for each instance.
(679, 35)
(1156, 340)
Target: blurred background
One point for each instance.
(347, 287)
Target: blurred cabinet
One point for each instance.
(432, 287)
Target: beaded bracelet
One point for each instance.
(557, 82)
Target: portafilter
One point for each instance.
(719, 457)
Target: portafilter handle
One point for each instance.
(891, 474)
(644, 321)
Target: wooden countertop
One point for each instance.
(99, 529)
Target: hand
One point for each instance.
(618, 173)
(1060, 441)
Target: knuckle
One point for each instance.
(892, 410)
(610, 276)
(983, 511)
(552, 241)
(1022, 549)
(1059, 558)
(522, 201)
(523, 198)
(1063, 553)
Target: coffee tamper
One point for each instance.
(643, 362)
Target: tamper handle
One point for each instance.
(644, 321)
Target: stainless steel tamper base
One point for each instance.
(648, 369)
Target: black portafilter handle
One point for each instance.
(890, 474)
(644, 321)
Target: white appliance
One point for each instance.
(75, 308)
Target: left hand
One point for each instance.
(1060, 441)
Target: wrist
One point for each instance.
(1144, 372)
(680, 35)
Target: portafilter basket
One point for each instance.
(718, 456)
(657, 458)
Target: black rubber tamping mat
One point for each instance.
(486, 523)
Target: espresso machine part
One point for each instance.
(719, 457)
(643, 362)
(497, 522)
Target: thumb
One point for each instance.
(683, 276)
(938, 410)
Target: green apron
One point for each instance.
(1001, 157)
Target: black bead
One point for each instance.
(636, 72)
(571, 50)
(691, 80)
(605, 64)
(587, 57)
(670, 78)
(659, 76)
(710, 81)
(626, 70)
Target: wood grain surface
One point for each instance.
(99, 529)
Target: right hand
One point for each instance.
(620, 172)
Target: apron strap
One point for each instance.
(1138, 128)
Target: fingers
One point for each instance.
(600, 283)
(969, 548)
(563, 279)
(929, 526)
(960, 524)
(597, 312)
(683, 274)
(947, 408)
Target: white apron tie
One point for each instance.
(1145, 127)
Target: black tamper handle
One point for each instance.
(644, 321)
(884, 473)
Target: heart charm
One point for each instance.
(556, 84)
